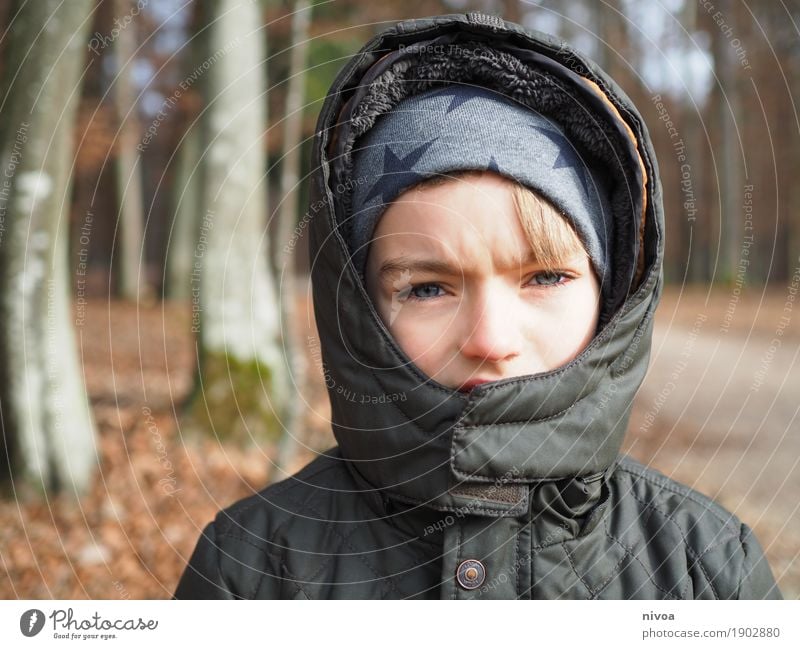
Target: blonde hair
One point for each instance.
(551, 236)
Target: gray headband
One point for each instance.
(468, 127)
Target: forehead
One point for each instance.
(467, 222)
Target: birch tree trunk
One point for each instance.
(128, 166)
(187, 190)
(242, 383)
(47, 426)
(292, 436)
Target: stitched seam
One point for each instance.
(290, 576)
(346, 542)
(532, 420)
(410, 418)
(713, 547)
(633, 556)
(651, 505)
(550, 545)
(685, 589)
(664, 484)
(264, 573)
(295, 581)
(459, 427)
(602, 586)
(516, 558)
(572, 565)
(257, 586)
(310, 578)
(328, 525)
(517, 554)
(302, 505)
(261, 549)
(697, 559)
(688, 494)
(458, 562)
(690, 551)
(228, 519)
(478, 510)
(488, 478)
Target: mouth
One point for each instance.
(466, 387)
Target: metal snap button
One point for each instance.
(470, 574)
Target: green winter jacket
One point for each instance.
(516, 489)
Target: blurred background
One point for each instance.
(154, 266)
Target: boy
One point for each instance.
(485, 270)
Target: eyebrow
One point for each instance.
(403, 264)
(436, 266)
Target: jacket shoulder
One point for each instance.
(240, 553)
(312, 493)
(723, 558)
(654, 490)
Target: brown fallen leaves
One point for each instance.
(155, 488)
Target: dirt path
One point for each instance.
(720, 411)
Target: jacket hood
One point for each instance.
(400, 432)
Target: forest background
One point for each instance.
(153, 166)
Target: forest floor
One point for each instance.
(717, 411)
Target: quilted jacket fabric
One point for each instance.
(516, 489)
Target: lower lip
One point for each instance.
(469, 387)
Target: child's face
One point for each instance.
(449, 275)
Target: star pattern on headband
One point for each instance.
(457, 98)
(398, 169)
(567, 156)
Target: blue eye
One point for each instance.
(425, 291)
(548, 278)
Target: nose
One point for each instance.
(491, 326)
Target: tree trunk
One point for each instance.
(182, 283)
(728, 154)
(47, 424)
(692, 232)
(292, 436)
(243, 377)
(128, 164)
(186, 199)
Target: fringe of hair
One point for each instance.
(549, 233)
(551, 236)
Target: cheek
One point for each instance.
(424, 340)
(417, 337)
(576, 321)
(559, 330)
